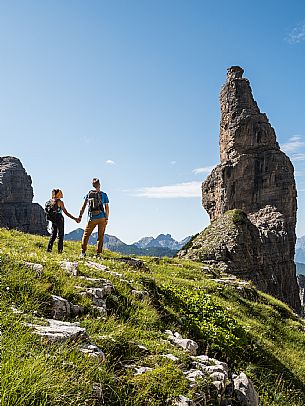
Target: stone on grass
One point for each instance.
(71, 267)
(171, 357)
(96, 265)
(134, 262)
(62, 309)
(98, 294)
(102, 268)
(244, 390)
(36, 267)
(193, 374)
(59, 331)
(188, 345)
(140, 294)
(92, 351)
(142, 370)
(179, 401)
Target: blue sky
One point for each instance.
(128, 91)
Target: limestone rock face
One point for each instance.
(254, 176)
(16, 195)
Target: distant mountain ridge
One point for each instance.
(162, 245)
(163, 240)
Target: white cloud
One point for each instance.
(110, 162)
(293, 144)
(298, 157)
(205, 169)
(173, 162)
(297, 34)
(186, 189)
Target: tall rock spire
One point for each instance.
(16, 194)
(243, 127)
(256, 177)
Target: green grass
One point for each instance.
(250, 330)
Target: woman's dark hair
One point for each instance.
(54, 193)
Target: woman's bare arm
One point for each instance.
(66, 212)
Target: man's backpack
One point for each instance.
(50, 210)
(95, 204)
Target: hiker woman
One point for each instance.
(57, 220)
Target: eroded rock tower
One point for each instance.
(256, 179)
(16, 194)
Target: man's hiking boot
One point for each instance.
(82, 255)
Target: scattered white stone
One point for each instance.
(16, 311)
(188, 345)
(97, 391)
(244, 390)
(62, 309)
(59, 331)
(179, 401)
(171, 357)
(142, 370)
(94, 280)
(103, 268)
(98, 294)
(36, 267)
(93, 351)
(204, 359)
(97, 266)
(211, 368)
(193, 374)
(141, 347)
(140, 294)
(71, 267)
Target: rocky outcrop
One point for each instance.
(256, 178)
(16, 194)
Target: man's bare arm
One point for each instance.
(107, 210)
(81, 212)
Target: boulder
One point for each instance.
(244, 391)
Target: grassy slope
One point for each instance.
(250, 330)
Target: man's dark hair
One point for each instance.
(95, 182)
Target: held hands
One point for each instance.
(77, 219)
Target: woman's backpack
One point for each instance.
(51, 210)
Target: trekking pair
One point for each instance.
(98, 212)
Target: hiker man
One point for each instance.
(98, 213)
